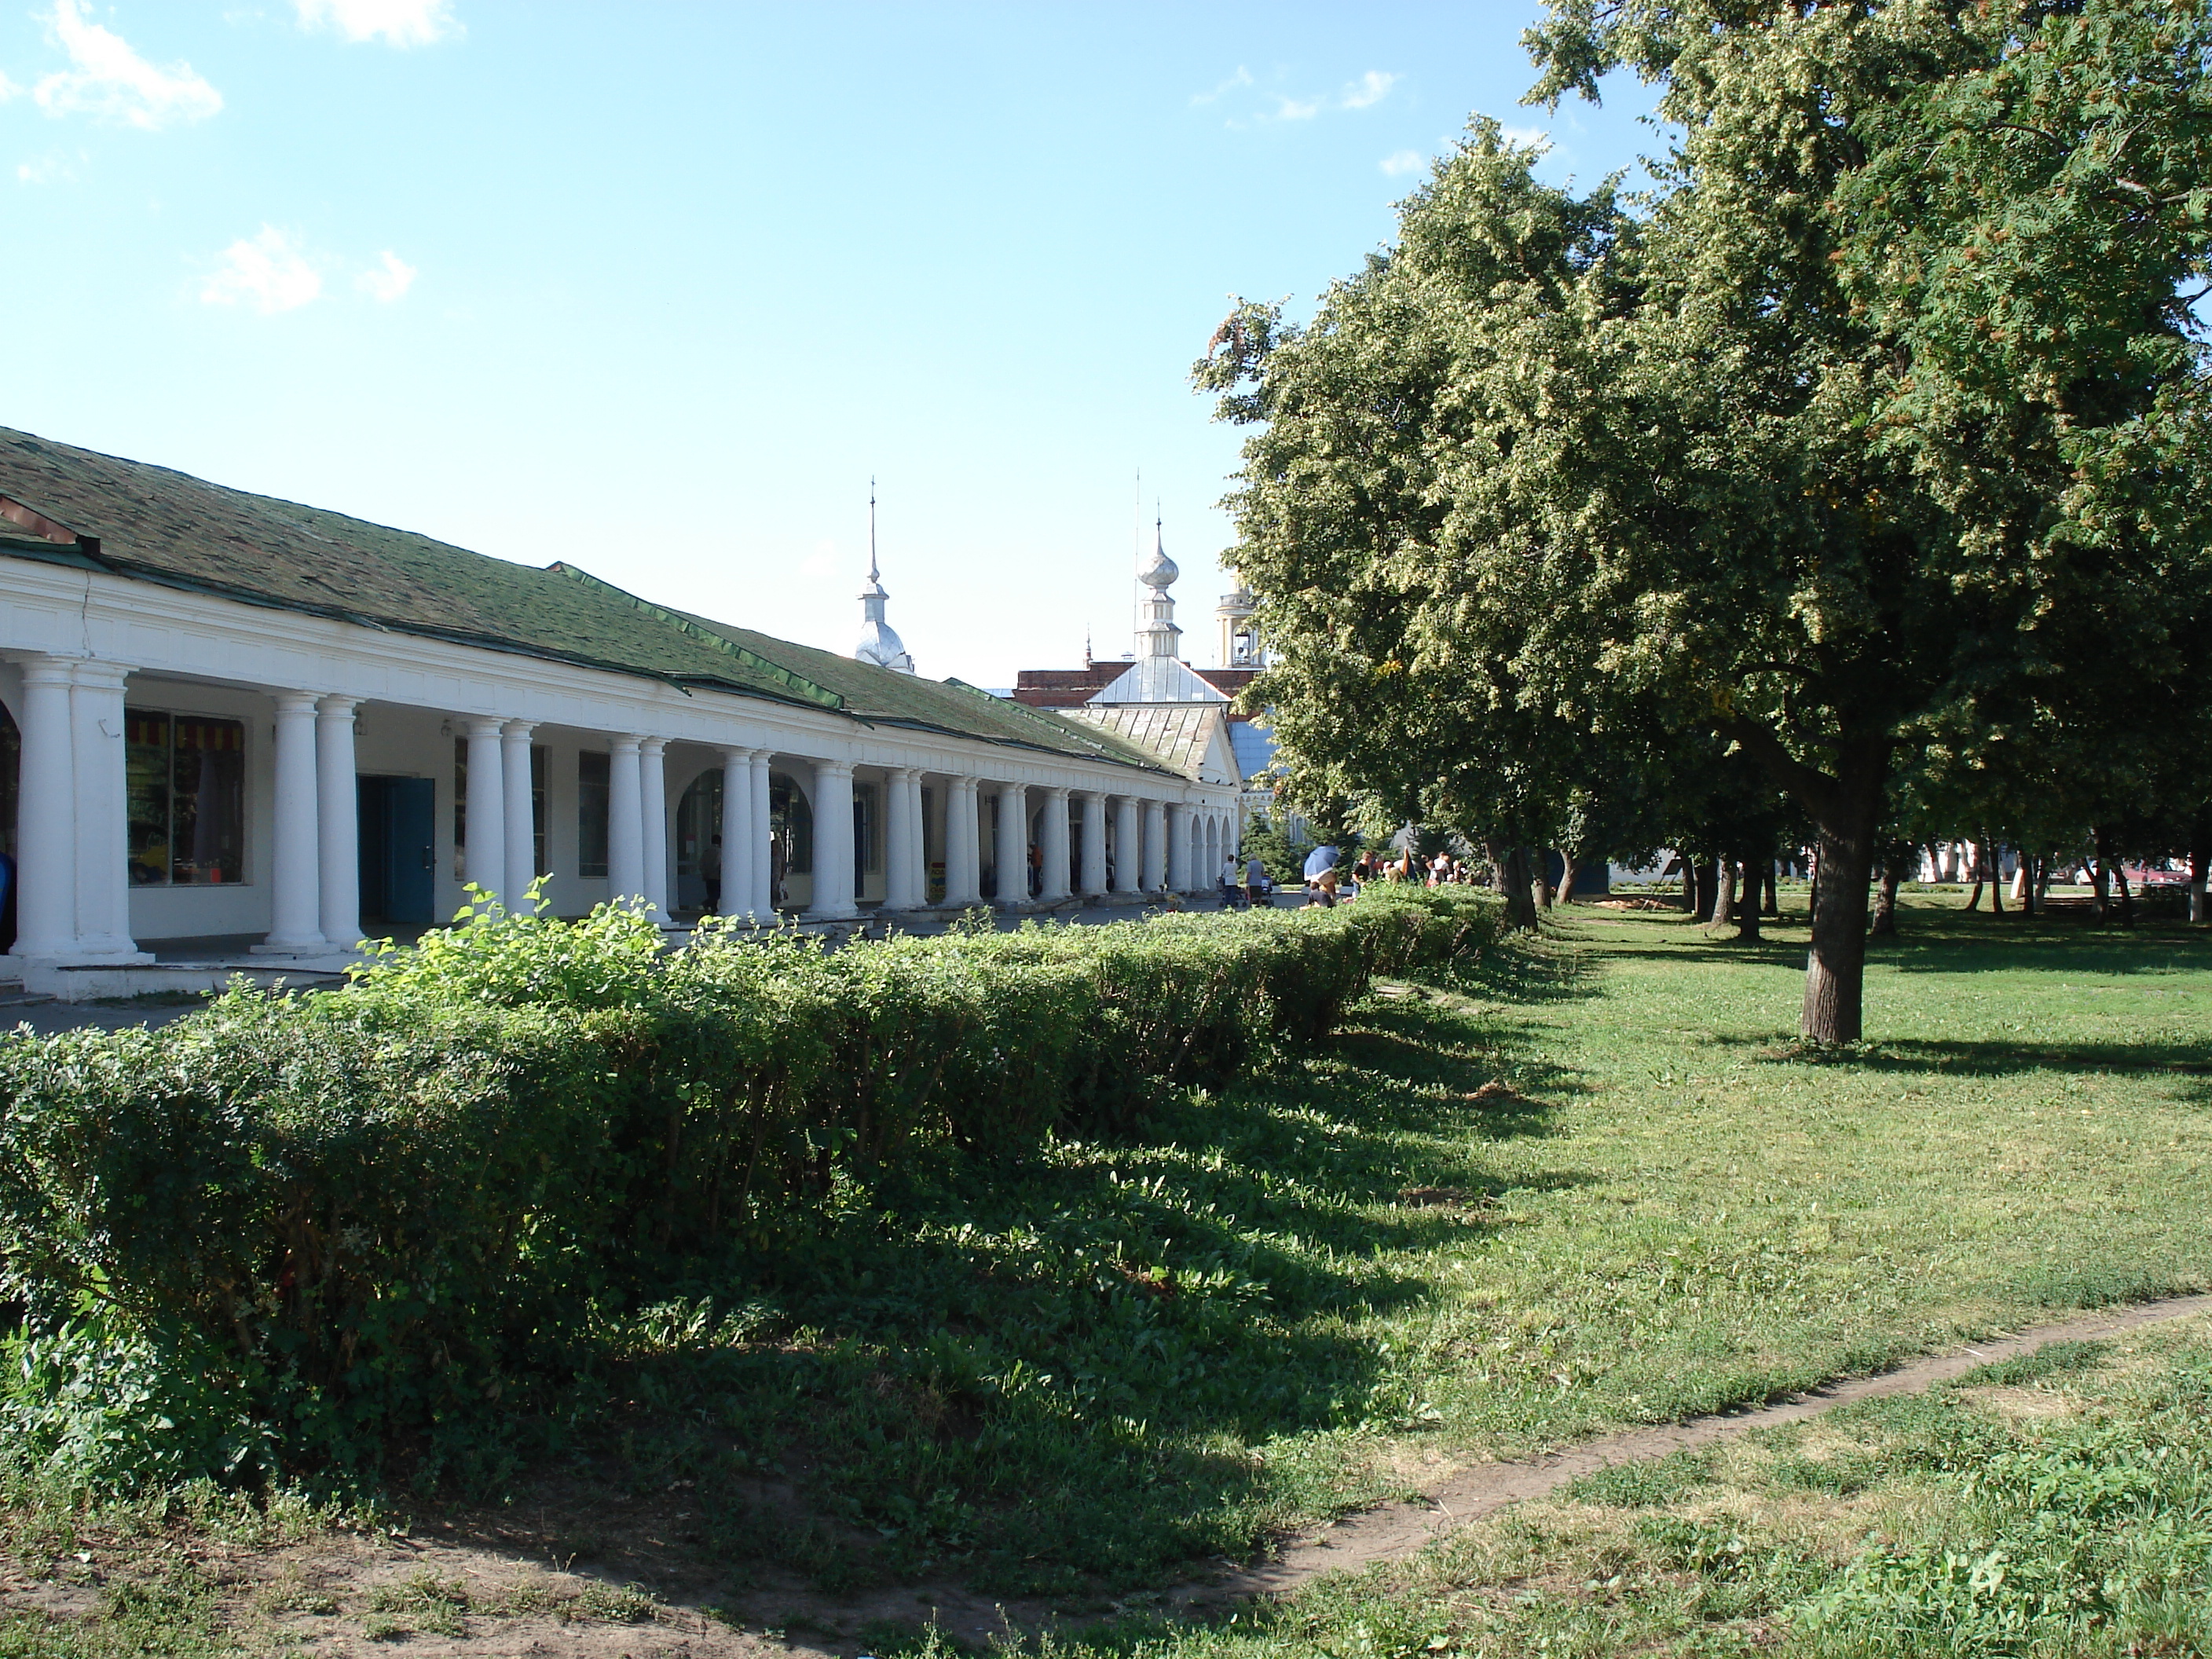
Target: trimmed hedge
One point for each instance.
(389, 1206)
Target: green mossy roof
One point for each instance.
(163, 526)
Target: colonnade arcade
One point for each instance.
(345, 805)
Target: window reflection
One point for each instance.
(186, 779)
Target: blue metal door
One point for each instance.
(410, 850)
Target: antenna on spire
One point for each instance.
(874, 574)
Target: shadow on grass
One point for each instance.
(1992, 1059)
(1063, 1369)
(1936, 936)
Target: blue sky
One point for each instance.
(656, 287)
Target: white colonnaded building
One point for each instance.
(228, 720)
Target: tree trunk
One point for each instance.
(1566, 895)
(1848, 811)
(2100, 880)
(1770, 886)
(1747, 908)
(1996, 876)
(1689, 884)
(1709, 889)
(2127, 897)
(1520, 906)
(1542, 871)
(1980, 870)
(1884, 900)
(1723, 893)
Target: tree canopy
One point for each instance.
(1877, 419)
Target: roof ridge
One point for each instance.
(752, 660)
(1041, 716)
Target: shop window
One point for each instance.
(593, 769)
(186, 777)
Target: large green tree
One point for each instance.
(1879, 409)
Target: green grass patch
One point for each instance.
(2068, 1514)
(1579, 1185)
(1576, 1184)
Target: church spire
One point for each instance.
(1157, 633)
(880, 642)
(1158, 675)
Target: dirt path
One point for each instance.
(1397, 1529)
(328, 1596)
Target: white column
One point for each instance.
(1128, 847)
(46, 815)
(738, 898)
(653, 826)
(902, 838)
(962, 853)
(918, 851)
(833, 841)
(103, 830)
(295, 878)
(483, 861)
(521, 856)
(1013, 846)
(625, 823)
(1053, 884)
(763, 887)
(1178, 828)
(338, 816)
(1156, 845)
(1090, 880)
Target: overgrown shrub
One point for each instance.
(394, 1204)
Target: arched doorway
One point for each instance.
(791, 843)
(698, 872)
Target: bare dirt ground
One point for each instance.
(621, 1579)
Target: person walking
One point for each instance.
(1255, 880)
(1232, 888)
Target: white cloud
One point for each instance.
(266, 271)
(397, 23)
(111, 81)
(387, 282)
(53, 168)
(8, 88)
(1370, 89)
(1400, 163)
(1527, 137)
(1242, 78)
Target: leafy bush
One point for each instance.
(398, 1204)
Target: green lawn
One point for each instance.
(2060, 1504)
(1587, 1181)
(1078, 1374)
